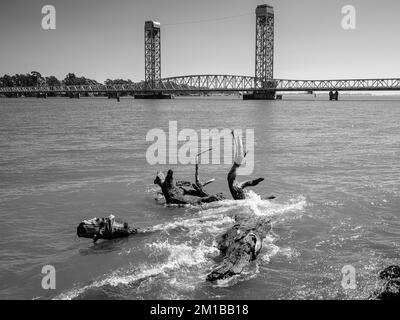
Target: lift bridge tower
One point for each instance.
(152, 57)
(264, 72)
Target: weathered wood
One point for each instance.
(240, 245)
(104, 228)
(235, 187)
(390, 289)
(175, 193)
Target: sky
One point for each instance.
(102, 39)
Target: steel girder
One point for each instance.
(339, 85)
(76, 89)
(220, 83)
(208, 83)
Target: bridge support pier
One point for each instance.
(333, 96)
(41, 95)
(114, 95)
(153, 96)
(74, 95)
(260, 96)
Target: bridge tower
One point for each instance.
(152, 57)
(152, 54)
(264, 72)
(264, 45)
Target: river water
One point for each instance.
(334, 167)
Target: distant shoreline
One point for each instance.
(287, 97)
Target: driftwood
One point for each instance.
(104, 228)
(239, 246)
(177, 193)
(237, 188)
(390, 289)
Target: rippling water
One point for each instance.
(333, 165)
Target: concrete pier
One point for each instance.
(152, 96)
(333, 95)
(114, 95)
(260, 96)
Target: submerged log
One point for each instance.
(390, 289)
(240, 245)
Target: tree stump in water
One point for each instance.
(240, 245)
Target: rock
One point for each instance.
(390, 289)
(389, 273)
(239, 246)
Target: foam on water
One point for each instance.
(255, 205)
(183, 254)
(212, 217)
(185, 262)
(270, 249)
(179, 256)
(247, 274)
(197, 225)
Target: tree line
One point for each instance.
(35, 79)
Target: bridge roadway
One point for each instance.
(219, 83)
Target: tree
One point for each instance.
(70, 79)
(52, 81)
(37, 78)
(110, 82)
(7, 81)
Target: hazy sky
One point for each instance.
(104, 39)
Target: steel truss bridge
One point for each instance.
(262, 86)
(218, 83)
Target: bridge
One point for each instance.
(261, 86)
(219, 83)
